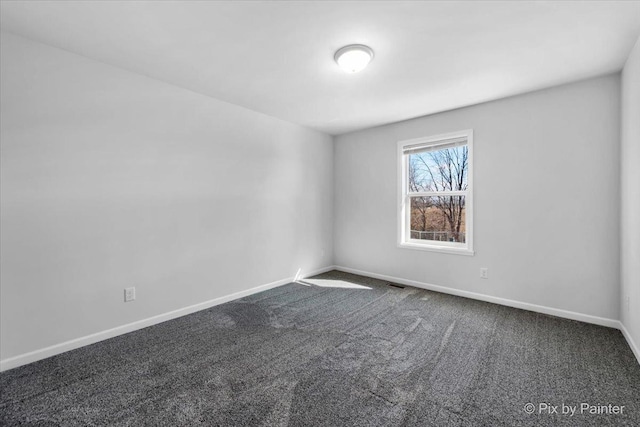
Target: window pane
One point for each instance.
(439, 170)
(439, 218)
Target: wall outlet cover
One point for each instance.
(129, 294)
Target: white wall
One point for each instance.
(630, 172)
(546, 199)
(111, 179)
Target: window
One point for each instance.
(436, 199)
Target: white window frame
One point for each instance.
(404, 206)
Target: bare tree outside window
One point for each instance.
(440, 218)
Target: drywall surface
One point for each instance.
(630, 172)
(546, 199)
(111, 180)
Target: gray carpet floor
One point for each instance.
(336, 350)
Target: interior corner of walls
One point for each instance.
(630, 198)
(317, 271)
(635, 347)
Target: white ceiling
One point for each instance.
(277, 57)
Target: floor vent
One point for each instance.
(395, 285)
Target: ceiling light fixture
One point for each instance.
(354, 58)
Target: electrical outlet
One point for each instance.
(129, 294)
(484, 273)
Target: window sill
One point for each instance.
(436, 248)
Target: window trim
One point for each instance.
(404, 239)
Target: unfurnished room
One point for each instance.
(320, 213)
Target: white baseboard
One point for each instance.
(603, 321)
(23, 359)
(630, 341)
(587, 318)
(53, 350)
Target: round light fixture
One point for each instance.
(354, 58)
